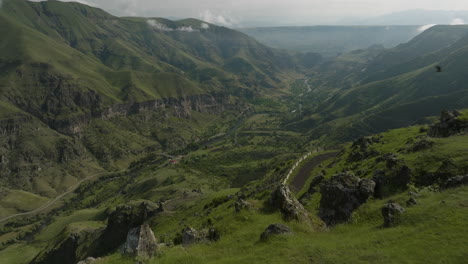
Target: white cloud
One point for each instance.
(203, 25)
(161, 27)
(84, 2)
(457, 21)
(186, 29)
(155, 24)
(426, 27)
(224, 19)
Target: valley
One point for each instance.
(201, 144)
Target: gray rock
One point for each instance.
(275, 229)
(282, 199)
(395, 180)
(411, 202)
(391, 213)
(214, 234)
(140, 242)
(241, 205)
(448, 125)
(191, 236)
(455, 182)
(124, 218)
(341, 195)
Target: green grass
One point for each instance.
(20, 201)
(61, 222)
(18, 254)
(430, 224)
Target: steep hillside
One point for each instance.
(84, 92)
(199, 220)
(375, 90)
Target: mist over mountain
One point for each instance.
(414, 17)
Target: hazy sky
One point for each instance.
(238, 12)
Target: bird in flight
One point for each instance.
(438, 68)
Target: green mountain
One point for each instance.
(128, 140)
(375, 90)
(90, 82)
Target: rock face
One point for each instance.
(449, 125)
(341, 195)
(121, 220)
(71, 249)
(275, 229)
(388, 183)
(391, 213)
(456, 181)
(78, 245)
(140, 242)
(282, 199)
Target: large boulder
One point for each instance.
(449, 124)
(341, 195)
(281, 198)
(391, 213)
(390, 182)
(275, 229)
(121, 220)
(140, 242)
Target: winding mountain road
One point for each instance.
(70, 190)
(53, 201)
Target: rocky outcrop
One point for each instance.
(77, 245)
(361, 148)
(392, 181)
(241, 205)
(121, 220)
(449, 125)
(190, 235)
(421, 144)
(411, 202)
(281, 198)
(140, 242)
(275, 229)
(74, 246)
(455, 182)
(178, 107)
(392, 213)
(341, 195)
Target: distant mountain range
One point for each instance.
(413, 17)
(332, 40)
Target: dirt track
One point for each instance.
(301, 177)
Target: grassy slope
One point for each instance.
(437, 222)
